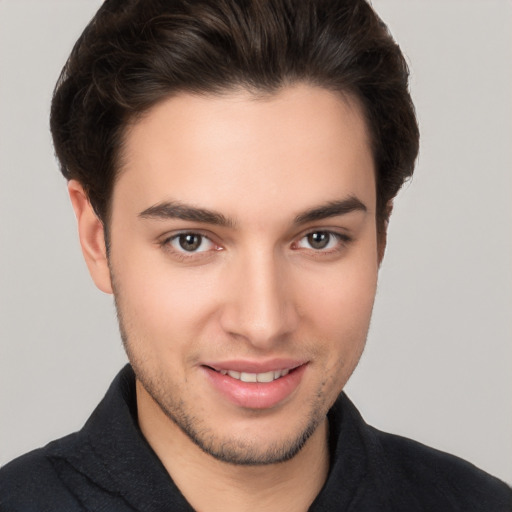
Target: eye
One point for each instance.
(190, 242)
(321, 240)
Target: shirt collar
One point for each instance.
(112, 452)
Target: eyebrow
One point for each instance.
(177, 210)
(331, 209)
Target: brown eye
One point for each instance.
(322, 241)
(190, 241)
(319, 239)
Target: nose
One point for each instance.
(259, 304)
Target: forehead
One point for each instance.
(301, 145)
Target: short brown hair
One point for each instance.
(135, 53)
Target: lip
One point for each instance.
(255, 395)
(240, 365)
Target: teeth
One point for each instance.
(267, 377)
(256, 377)
(248, 377)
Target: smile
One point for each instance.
(269, 376)
(256, 385)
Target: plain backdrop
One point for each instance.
(437, 366)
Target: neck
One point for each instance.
(205, 482)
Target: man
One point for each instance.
(180, 128)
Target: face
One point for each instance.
(244, 263)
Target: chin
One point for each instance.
(246, 451)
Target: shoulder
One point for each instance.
(33, 482)
(438, 477)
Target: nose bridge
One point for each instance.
(260, 307)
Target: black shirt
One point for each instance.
(109, 466)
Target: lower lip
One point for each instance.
(256, 395)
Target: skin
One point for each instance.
(259, 287)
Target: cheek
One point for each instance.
(163, 302)
(343, 300)
(338, 312)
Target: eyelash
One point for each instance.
(183, 255)
(342, 241)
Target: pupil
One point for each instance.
(318, 240)
(190, 242)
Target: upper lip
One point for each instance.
(247, 366)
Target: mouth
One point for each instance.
(263, 377)
(254, 385)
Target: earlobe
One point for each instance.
(92, 237)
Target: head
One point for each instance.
(181, 125)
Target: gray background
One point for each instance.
(437, 365)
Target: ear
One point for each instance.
(92, 237)
(382, 235)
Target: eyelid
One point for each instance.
(169, 235)
(336, 231)
(343, 239)
(165, 243)
(341, 236)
